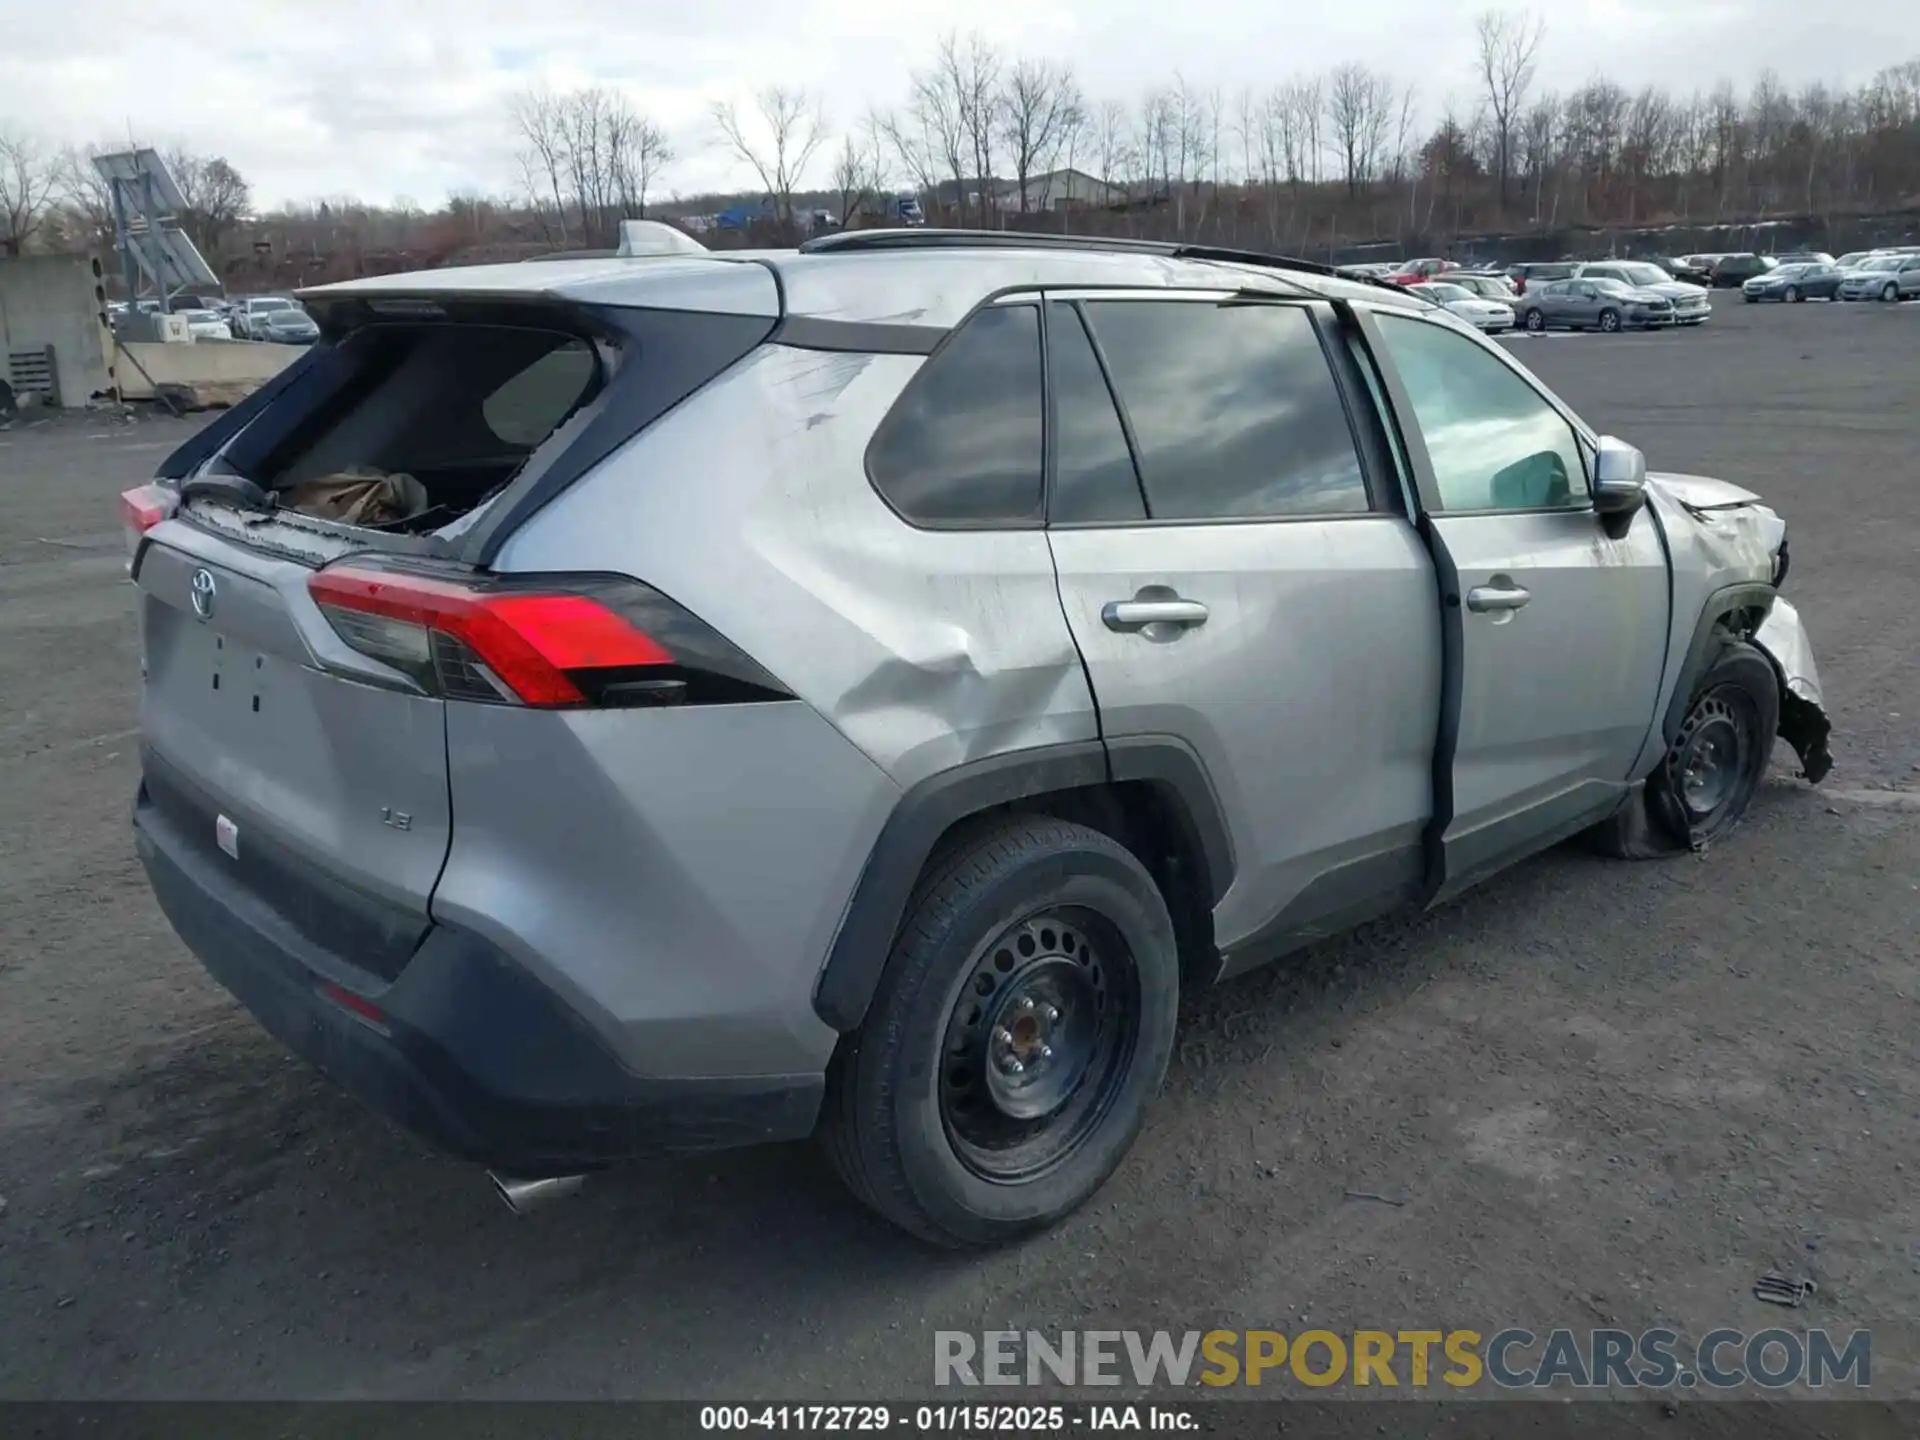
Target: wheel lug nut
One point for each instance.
(1026, 1002)
(1003, 1035)
(1046, 1052)
(1053, 1012)
(1014, 1067)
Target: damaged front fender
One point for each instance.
(1803, 717)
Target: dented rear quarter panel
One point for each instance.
(750, 505)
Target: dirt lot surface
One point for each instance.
(1605, 1093)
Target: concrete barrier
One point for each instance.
(217, 371)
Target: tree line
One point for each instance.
(1310, 164)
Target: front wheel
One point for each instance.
(1794, 297)
(1609, 321)
(1712, 769)
(1891, 293)
(1022, 1024)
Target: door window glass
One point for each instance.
(1495, 442)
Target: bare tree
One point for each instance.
(538, 117)
(1508, 47)
(791, 126)
(1359, 110)
(1112, 146)
(970, 72)
(1040, 111)
(215, 193)
(29, 180)
(859, 170)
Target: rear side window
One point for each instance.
(458, 407)
(1093, 474)
(962, 446)
(1233, 407)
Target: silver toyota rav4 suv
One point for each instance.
(656, 703)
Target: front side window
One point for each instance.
(1495, 442)
(962, 444)
(1234, 409)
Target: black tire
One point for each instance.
(1609, 321)
(1793, 295)
(1736, 703)
(1891, 293)
(938, 1155)
(1535, 321)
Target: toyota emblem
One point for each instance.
(204, 591)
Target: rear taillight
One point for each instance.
(582, 641)
(144, 507)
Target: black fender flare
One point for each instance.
(1706, 644)
(931, 808)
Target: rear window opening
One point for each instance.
(422, 423)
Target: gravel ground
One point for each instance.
(1605, 1093)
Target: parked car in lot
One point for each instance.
(718, 771)
(1492, 316)
(1532, 272)
(1487, 284)
(1695, 269)
(205, 325)
(1882, 277)
(1368, 270)
(1412, 272)
(1582, 304)
(1732, 271)
(1793, 283)
(283, 327)
(1802, 257)
(249, 312)
(1692, 304)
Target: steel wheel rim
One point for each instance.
(1038, 1042)
(1712, 756)
(1609, 323)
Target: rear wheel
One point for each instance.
(1713, 768)
(1794, 297)
(1609, 320)
(1022, 1024)
(1535, 321)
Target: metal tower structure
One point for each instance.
(147, 207)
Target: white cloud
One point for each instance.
(387, 98)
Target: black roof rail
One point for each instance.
(923, 238)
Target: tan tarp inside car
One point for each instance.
(358, 497)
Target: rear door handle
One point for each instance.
(1484, 598)
(1126, 615)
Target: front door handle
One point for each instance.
(1126, 615)
(1497, 597)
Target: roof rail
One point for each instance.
(921, 238)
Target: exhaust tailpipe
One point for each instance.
(523, 1196)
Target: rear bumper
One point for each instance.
(469, 1052)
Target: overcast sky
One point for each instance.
(391, 98)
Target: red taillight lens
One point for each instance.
(145, 506)
(594, 641)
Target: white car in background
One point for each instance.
(206, 325)
(1492, 316)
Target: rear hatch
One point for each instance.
(306, 570)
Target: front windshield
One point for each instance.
(1612, 287)
(1882, 262)
(1788, 272)
(1447, 292)
(267, 307)
(1645, 274)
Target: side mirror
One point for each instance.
(1619, 478)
